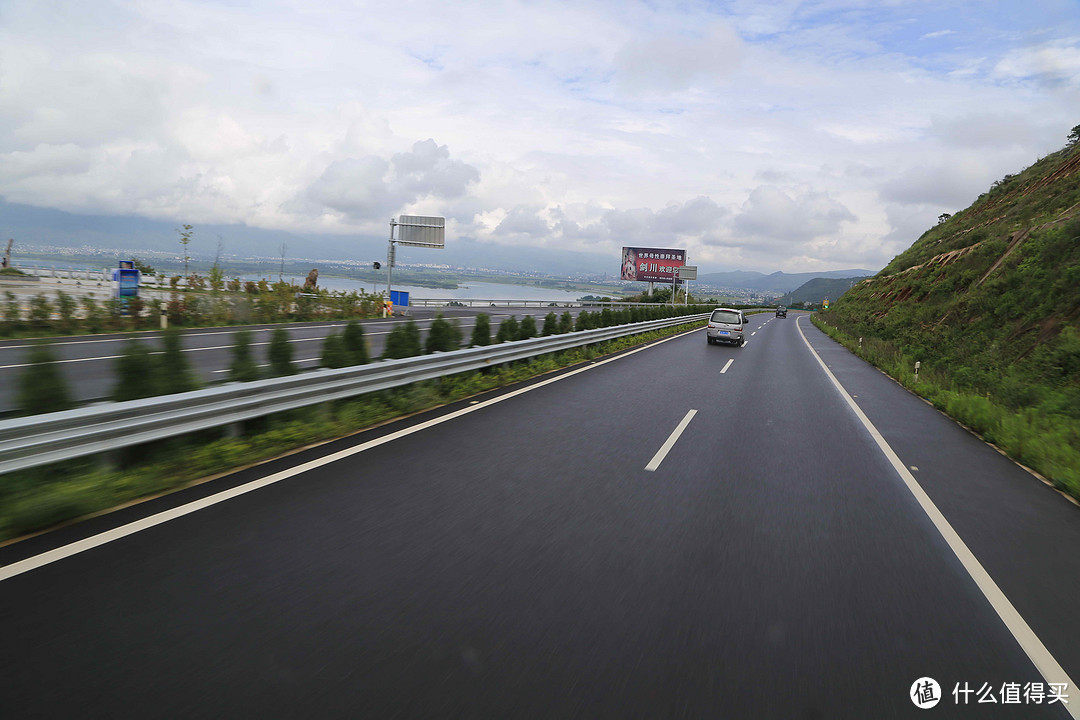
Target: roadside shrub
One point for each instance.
(42, 387)
(508, 330)
(135, 376)
(334, 354)
(243, 367)
(403, 341)
(40, 312)
(354, 343)
(443, 336)
(173, 369)
(281, 354)
(481, 334)
(66, 307)
(566, 322)
(551, 325)
(12, 313)
(527, 329)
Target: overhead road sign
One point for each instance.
(421, 231)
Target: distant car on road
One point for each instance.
(726, 326)
(781, 312)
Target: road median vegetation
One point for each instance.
(38, 498)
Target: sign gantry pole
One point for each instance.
(389, 265)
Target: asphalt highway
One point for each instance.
(684, 531)
(88, 361)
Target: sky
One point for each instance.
(796, 135)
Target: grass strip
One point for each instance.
(1048, 443)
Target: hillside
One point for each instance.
(989, 302)
(816, 290)
(777, 282)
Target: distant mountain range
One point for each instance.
(91, 234)
(777, 282)
(816, 290)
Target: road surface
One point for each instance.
(684, 531)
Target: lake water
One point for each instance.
(471, 289)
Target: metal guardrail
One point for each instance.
(552, 304)
(51, 437)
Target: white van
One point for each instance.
(726, 326)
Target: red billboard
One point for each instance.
(651, 264)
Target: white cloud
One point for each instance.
(771, 216)
(1057, 61)
(821, 126)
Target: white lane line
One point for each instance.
(672, 438)
(1049, 667)
(753, 333)
(727, 365)
(32, 563)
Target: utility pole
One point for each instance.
(281, 272)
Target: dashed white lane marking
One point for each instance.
(727, 365)
(670, 442)
(46, 558)
(753, 333)
(1047, 665)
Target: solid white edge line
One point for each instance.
(670, 442)
(36, 561)
(1046, 664)
(727, 365)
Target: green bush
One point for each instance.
(135, 373)
(173, 369)
(566, 322)
(443, 336)
(280, 354)
(40, 313)
(334, 354)
(243, 367)
(354, 342)
(527, 329)
(403, 341)
(481, 334)
(551, 325)
(12, 313)
(508, 330)
(42, 387)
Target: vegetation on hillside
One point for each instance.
(988, 301)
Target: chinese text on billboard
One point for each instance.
(651, 264)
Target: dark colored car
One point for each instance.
(781, 312)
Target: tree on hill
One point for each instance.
(1074, 135)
